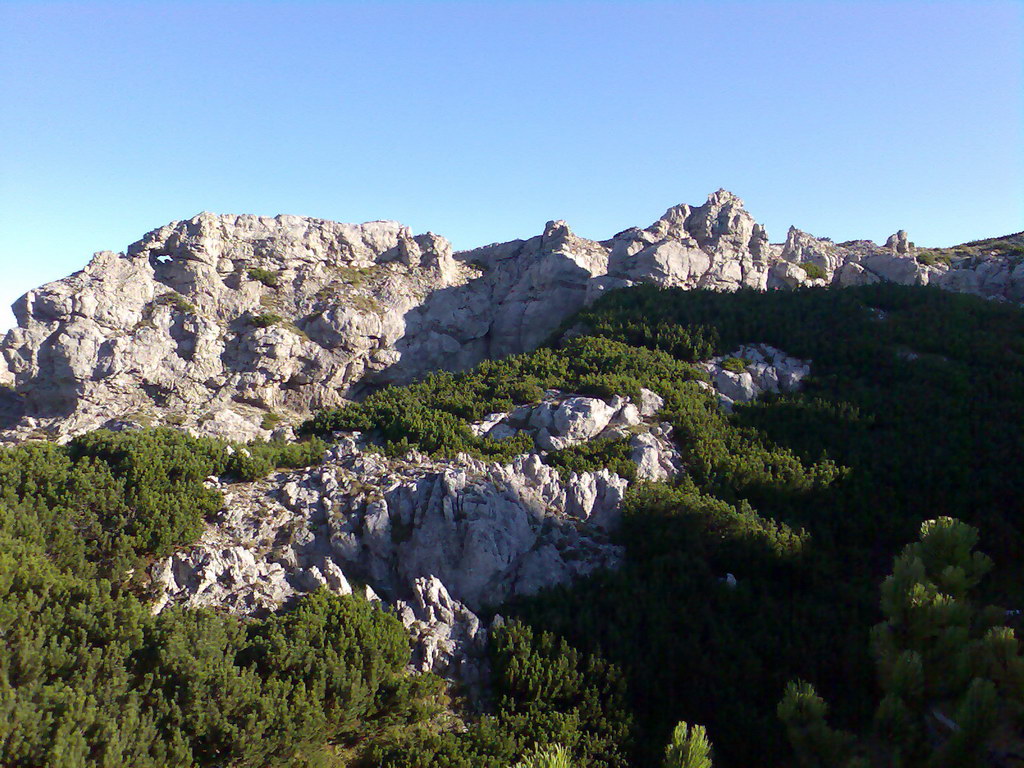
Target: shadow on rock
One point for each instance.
(12, 408)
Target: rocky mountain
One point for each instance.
(240, 326)
(235, 325)
(603, 530)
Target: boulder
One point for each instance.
(767, 369)
(655, 457)
(650, 403)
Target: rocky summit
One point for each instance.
(234, 326)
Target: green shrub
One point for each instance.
(268, 277)
(849, 468)
(545, 692)
(96, 678)
(265, 320)
(602, 453)
(735, 364)
(107, 498)
(813, 271)
(257, 459)
(175, 300)
(433, 414)
(89, 677)
(931, 258)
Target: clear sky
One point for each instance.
(481, 121)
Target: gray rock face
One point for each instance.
(655, 457)
(218, 322)
(448, 639)
(992, 277)
(802, 248)
(439, 540)
(560, 422)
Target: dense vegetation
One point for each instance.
(89, 677)
(803, 498)
(952, 674)
(913, 393)
(912, 414)
(546, 693)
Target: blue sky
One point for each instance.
(481, 121)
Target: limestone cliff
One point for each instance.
(231, 325)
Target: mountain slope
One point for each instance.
(638, 502)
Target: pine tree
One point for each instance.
(550, 757)
(815, 743)
(689, 748)
(951, 677)
(936, 711)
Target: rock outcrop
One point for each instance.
(561, 421)
(448, 639)
(226, 325)
(488, 530)
(752, 370)
(440, 540)
(221, 321)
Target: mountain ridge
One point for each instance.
(232, 325)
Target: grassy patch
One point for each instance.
(288, 325)
(1010, 247)
(327, 292)
(363, 303)
(932, 258)
(354, 275)
(138, 417)
(173, 300)
(339, 294)
(176, 301)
